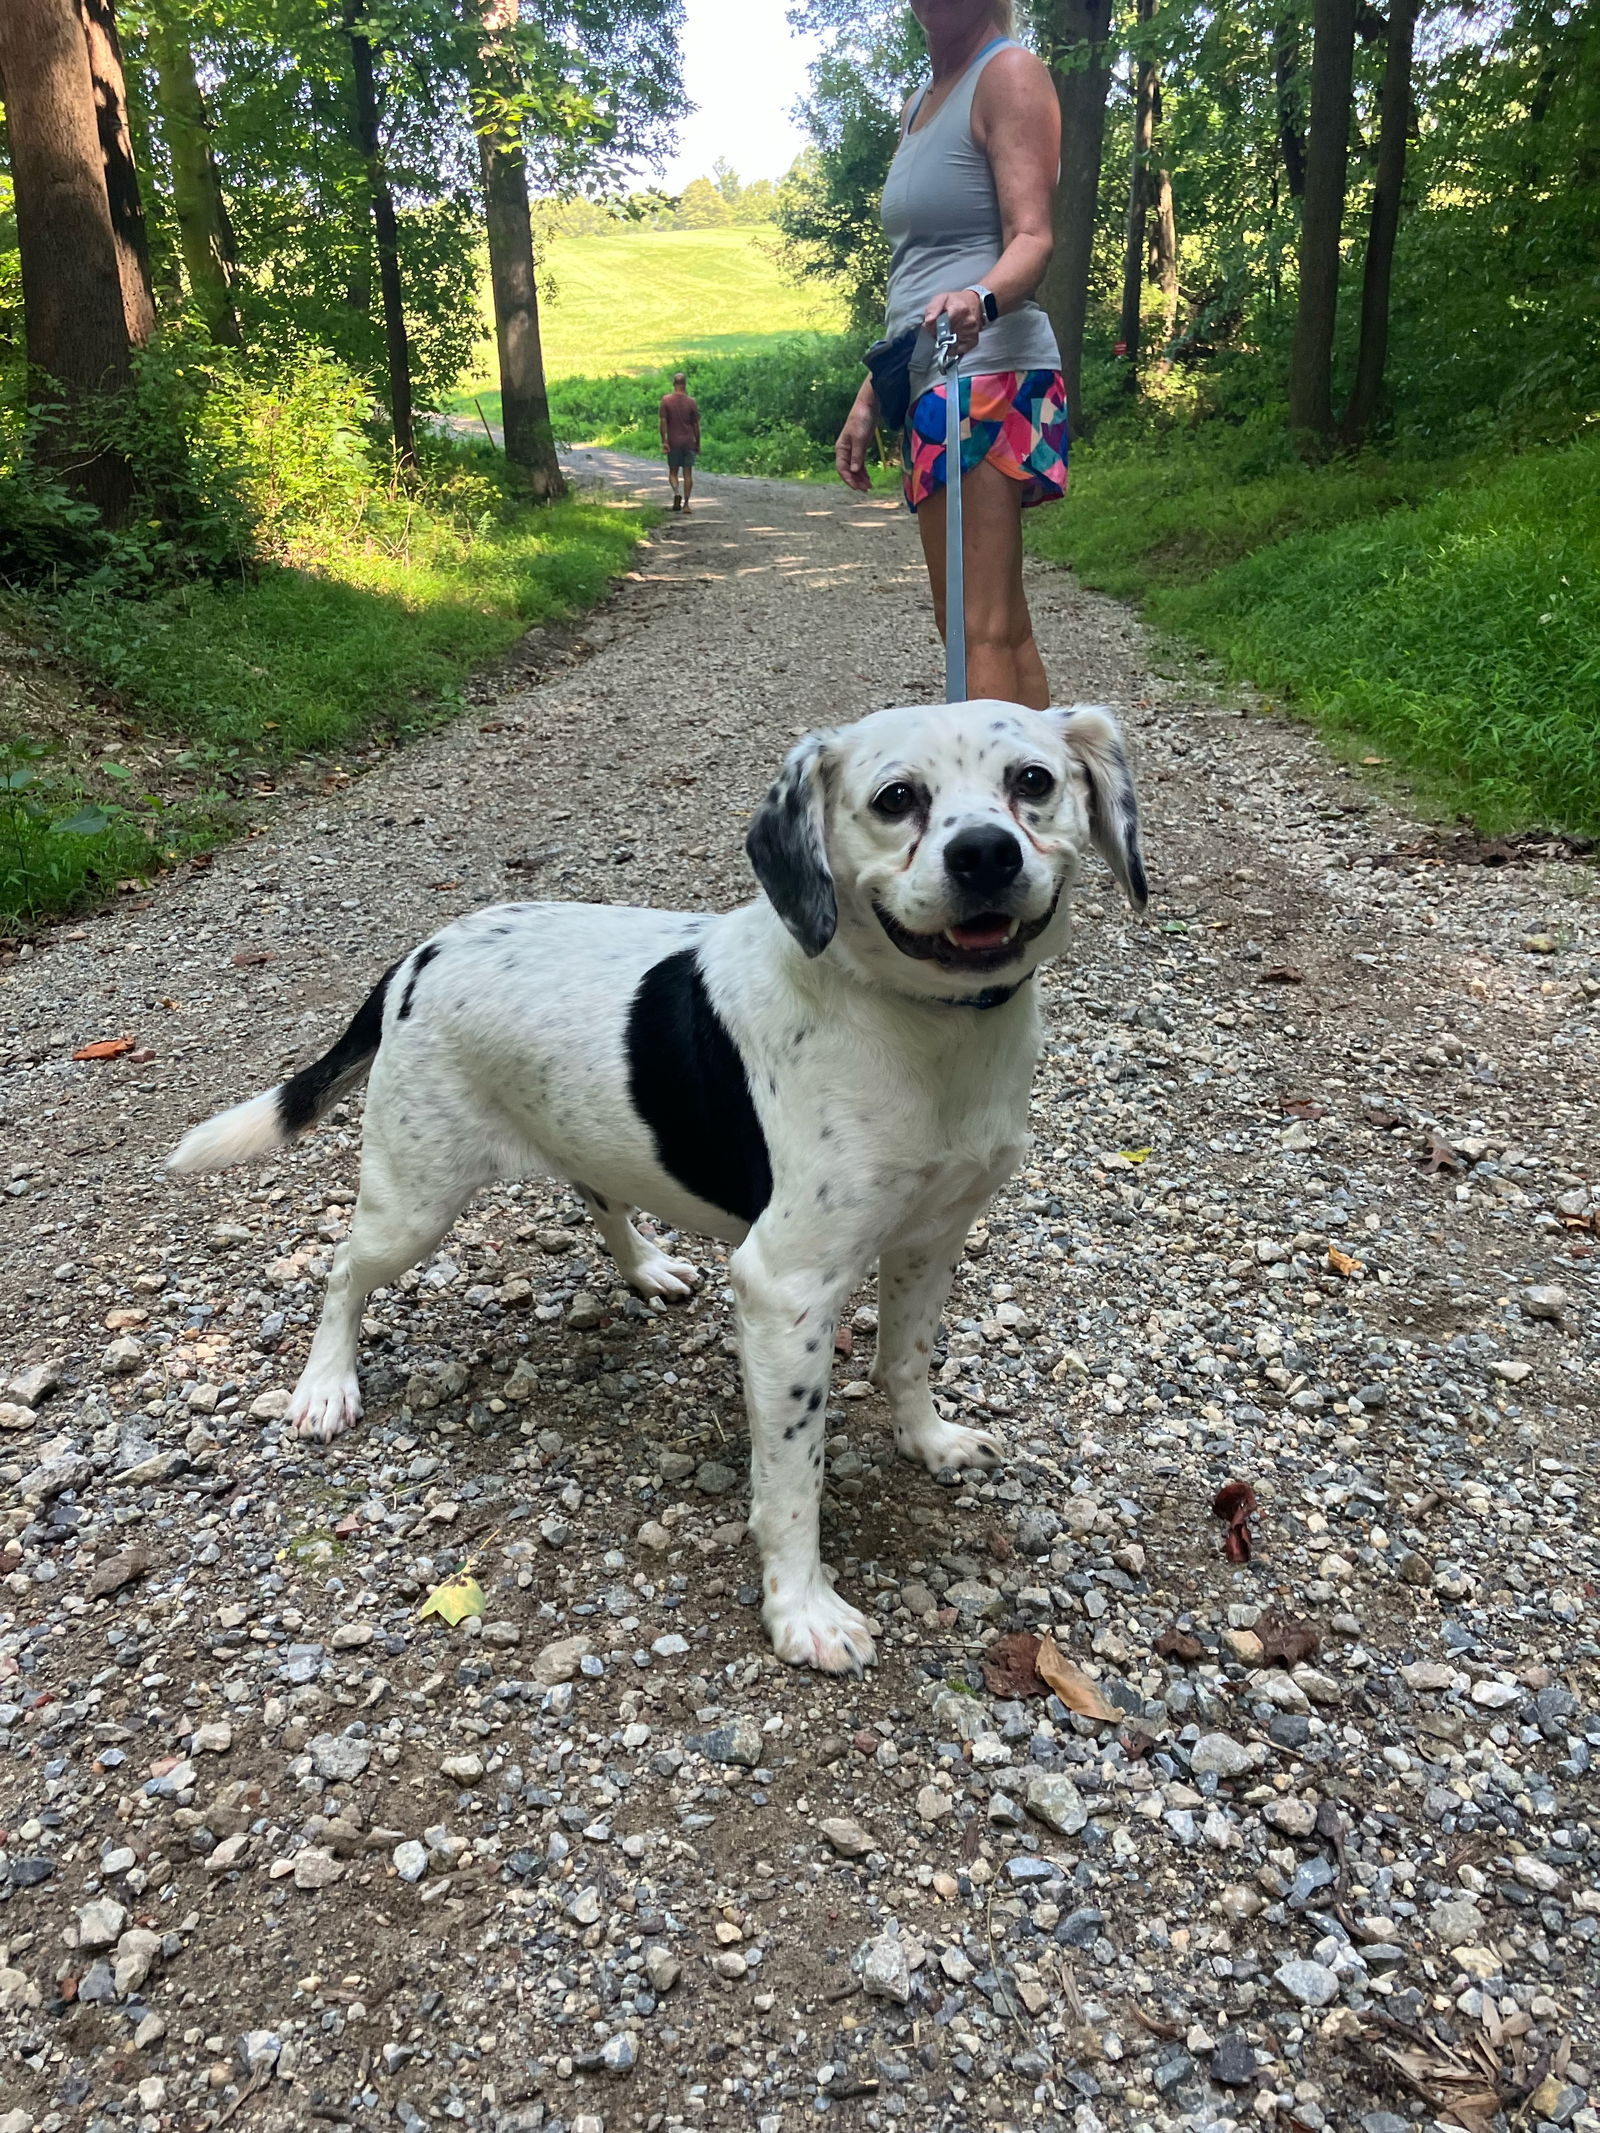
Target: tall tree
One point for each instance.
(1286, 83)
(524, 399)
(122, 175)
(1394, 123)
(72, 294)
(1146, 103)
(1074, 43)
(204, 231)
(1327, 165)
(386, 236)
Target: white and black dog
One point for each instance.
(831, 1077)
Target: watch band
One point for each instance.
(986, 297)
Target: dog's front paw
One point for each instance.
(814, 1627)
(938, 1445)
(674, 1280)
(323, 1406)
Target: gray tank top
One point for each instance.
(941, 215)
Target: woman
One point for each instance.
(966, 209)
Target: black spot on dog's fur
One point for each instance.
(424, 956)
(688, 1084)
(303, 1099)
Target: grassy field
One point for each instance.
(1446, 611)
(642, 299)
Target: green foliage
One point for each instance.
(776, 413)
(376, 637)
(59, 849)
(1447, 612)
(827, 208)
(1460, 636)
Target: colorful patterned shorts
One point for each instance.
(1016, 418)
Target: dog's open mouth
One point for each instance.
(987, 942)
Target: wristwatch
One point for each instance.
(986, 297)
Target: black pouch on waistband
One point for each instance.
(890, 365)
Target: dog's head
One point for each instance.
(935, 846)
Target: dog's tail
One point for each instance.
(282, 1114)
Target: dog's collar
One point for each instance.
(991, 996)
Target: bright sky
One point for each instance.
(743, 67)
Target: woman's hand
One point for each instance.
(964, 310)
(850, 452)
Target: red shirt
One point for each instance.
(680, 423)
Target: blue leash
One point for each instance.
(955, 561)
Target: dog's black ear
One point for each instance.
(1095, 738)
(787, 844)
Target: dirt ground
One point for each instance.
(1313, 1205)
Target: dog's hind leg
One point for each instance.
(642, 1263)
(409, 1197)
(914, 1279)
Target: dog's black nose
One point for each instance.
(983, 861)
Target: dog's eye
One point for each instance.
(894, 801)
(1034, 782)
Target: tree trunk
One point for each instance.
(204, 230)
(1286, 75)
(1140, 191)
(77, 328)
(1322, 219)
(524, 400)
(1394, 118)
(122, 173)
(387, 236)
(1076, 33)
(1164, 247)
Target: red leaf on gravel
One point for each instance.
(1282, 974)
(1285, 1639)
(1235, 1501)
(107, 1048)
(844, 1341)
(1175, 1643)
(1010, 1665)
(249, 957)
(1301, 1107)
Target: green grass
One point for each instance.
(372, 641)
(640, 299)
(1447, 613)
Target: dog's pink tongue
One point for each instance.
(982, 933)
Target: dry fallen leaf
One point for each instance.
(1439, 1155)
(1235, 1501)
(1010, 1665)
(248, 958)
(1343, 1263)
(107, 1048)
(1175, 1643)
(1301, 1107)
(1282, 974)
(1073, 1686)
(454, 1600)
(1285, 1640)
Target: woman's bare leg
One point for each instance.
(1002, 659)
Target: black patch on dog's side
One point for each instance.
(315, 1089)
(689, 1085)
(424, 957)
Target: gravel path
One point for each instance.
(1313, 1205)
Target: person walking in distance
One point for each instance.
(966, 210)
(680, 438)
